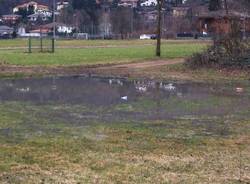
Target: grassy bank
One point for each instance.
(39, 144)
(203, 74)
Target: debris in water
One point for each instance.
(119, 82)
(23, 90)
(125, 98)
(110, 81)
(141, 88)
(169, 87)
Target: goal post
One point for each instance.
(42, 44)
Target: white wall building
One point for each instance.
(64, 29)
(149, 3)
(60, 28)
(61, 5)
(128, 3)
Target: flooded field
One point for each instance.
(102, 130)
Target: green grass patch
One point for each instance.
(20, 43)
(90, 56)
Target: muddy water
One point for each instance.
(121, 99)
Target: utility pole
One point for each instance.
(159, 24)
(54, 26)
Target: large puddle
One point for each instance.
(146, 97)
(48, 106)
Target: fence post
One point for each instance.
(41, 43)
(29, 44)
(53, 45)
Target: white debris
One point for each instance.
(169, 87)
(110, 81)
(141, 89)
(23, 90)
(125, 98)
(119, 82)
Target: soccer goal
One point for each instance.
(43, 44)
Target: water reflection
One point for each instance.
(184, 98)
(80, 90)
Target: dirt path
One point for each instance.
(154, 70)
(87, 68)
(144, 65)
(144, 69)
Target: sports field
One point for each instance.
(84, 52)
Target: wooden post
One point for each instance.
(54, 26)
(29, 44)
(158, 46)
(41, 41)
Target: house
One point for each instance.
(180, 11)
(11, 19)
(35, 17)
(39, 32)
(149, 3)
(219, 22)
(38, 8)
(6, 32)
(128, 3)
(60, 28)
(61, 5)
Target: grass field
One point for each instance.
(117, 52)
(15, 43)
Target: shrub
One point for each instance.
(229, 50)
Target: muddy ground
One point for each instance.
(173, 69)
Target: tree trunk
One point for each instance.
(158, 47)
(226, 6)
